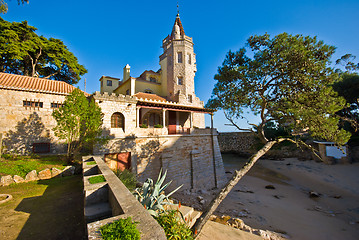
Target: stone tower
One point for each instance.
(178, 65)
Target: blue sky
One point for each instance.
(106, 35)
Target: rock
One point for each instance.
(199, 198)
(269, 187)
(7, 197)
(31, 176)
(55, 172)
(68, 171)
(202, 202)
(6, 180)
(18, 179)
(313, 194)
(45, 174)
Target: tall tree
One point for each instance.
(23, 52)
(4, 8)
(79, 121)
(286, 79)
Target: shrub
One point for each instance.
(143, 125)
(91, 163)
(121, 229)
(172, 226)
(127, 178)
(158, 126)
(97, 179)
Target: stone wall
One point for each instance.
(239, 142)
(188, 159)
(23, 126)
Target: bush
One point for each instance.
(158, 126)
(127, 178)
(120, 229)
(172, 226)
(143, 125)
(97, 179)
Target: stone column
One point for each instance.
(163, 117)
(191, 120)
(138, 117)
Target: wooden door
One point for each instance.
(172, 122)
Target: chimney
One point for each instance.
(126, 72)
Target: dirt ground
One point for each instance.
(275, 195)
(47, 209)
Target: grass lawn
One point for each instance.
(22, 165)
(45, 209)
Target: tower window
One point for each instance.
(152, 79)
(180, 81)
(189, 98)
(179, 57)
(109, 83)
(189, 58)
(128, 92)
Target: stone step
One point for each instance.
(97, 212)
(189, 214)
(192, 219)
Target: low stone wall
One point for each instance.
(238, 142)
(111, 200)
(33, 176)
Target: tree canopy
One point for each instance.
(285, 80)
(4, 8)
(79, 121)
(24, 52)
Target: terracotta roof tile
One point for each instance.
(32, 84)
(149, 96)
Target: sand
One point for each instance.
(288, 208)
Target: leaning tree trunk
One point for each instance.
(201, 221)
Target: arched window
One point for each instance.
(118, 120)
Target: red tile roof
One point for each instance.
(149, 96)
(32, 84)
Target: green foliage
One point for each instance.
(97, 179)
(288, 80)
(24, 52)
(4, 8)
(22, 165)
(152, 196)
(143, 125)
(273, 131)
(158, 126)
(122, 229)
(91, 163)
(79, 121)
(128, 179)
(173, 227)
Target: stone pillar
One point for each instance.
(138, 117)
(163, 117)
(191, 120)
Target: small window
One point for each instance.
(179, 57)
(34, 104)
(189, 60)
(128, 92)
(56, 105)
(189, 98)
(152, 79)
(148, 91)
(180, 81)
(118, 120)
(109, 83)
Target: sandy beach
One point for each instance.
(275, 195)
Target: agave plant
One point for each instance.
(152, 196)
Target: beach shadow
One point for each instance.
(57, 213)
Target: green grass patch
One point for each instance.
(172, 226)
(21, 165)
(121, 229)
(128, 179)
(97, 179)
(91, 163)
